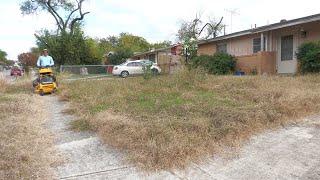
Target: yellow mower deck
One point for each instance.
(45, 87)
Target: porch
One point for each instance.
(259, 63)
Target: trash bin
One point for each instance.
(239, 73)
(109, 69)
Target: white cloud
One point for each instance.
(154, 20)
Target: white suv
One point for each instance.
(134, 68)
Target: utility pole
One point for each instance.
(232, 13)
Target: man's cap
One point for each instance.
(45, 50)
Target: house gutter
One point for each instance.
(262, 29)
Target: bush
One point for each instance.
(309, 57)
(220, 63)
(120, 56)
(147, 72)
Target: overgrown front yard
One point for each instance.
(169, 121)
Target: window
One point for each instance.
(131, 64)
(138, 64)
(134, 64)
(287, 48)
(152, 57)
(222, 48)
(257, 44)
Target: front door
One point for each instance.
(287, 62)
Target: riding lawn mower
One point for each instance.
(46, 82)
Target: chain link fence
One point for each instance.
(87, 70)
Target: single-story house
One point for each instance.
(154, 54)
(268, 49)
(169, 59)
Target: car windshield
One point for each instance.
(147, 62)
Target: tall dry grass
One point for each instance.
(26, 148)
(170, 121)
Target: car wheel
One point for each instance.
(124, 74)
(155, 71)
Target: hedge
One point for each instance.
(219, 63)
(308, 55)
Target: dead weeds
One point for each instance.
(26, 148)
(169, 121)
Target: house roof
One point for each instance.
(156, 50)
(274, 26)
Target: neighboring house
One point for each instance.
(154, 54)
(169, 59)
(268, 49)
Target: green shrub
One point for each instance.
(219, 63)
(309, 57)
(147, 72)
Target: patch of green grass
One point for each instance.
(80, 125)
(99, 108)
(157, 101)
(5, 98)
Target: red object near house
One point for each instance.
(109, 69)
(173, 50)
(16, 72)
(176, 50)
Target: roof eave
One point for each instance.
(271, 27)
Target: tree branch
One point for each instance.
(68, 19)
(73, 22)
(214, 28)
(56, 15)
(41, 39)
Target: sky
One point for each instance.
(155, 20)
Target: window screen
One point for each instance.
(287, 48)
(256, 45)
(222, 48)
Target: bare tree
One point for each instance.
(193, 29)
(213, 28)
(57, 8)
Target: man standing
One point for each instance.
(45, 60)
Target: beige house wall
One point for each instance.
(242, 48)
(260, 63)
(207, 49)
